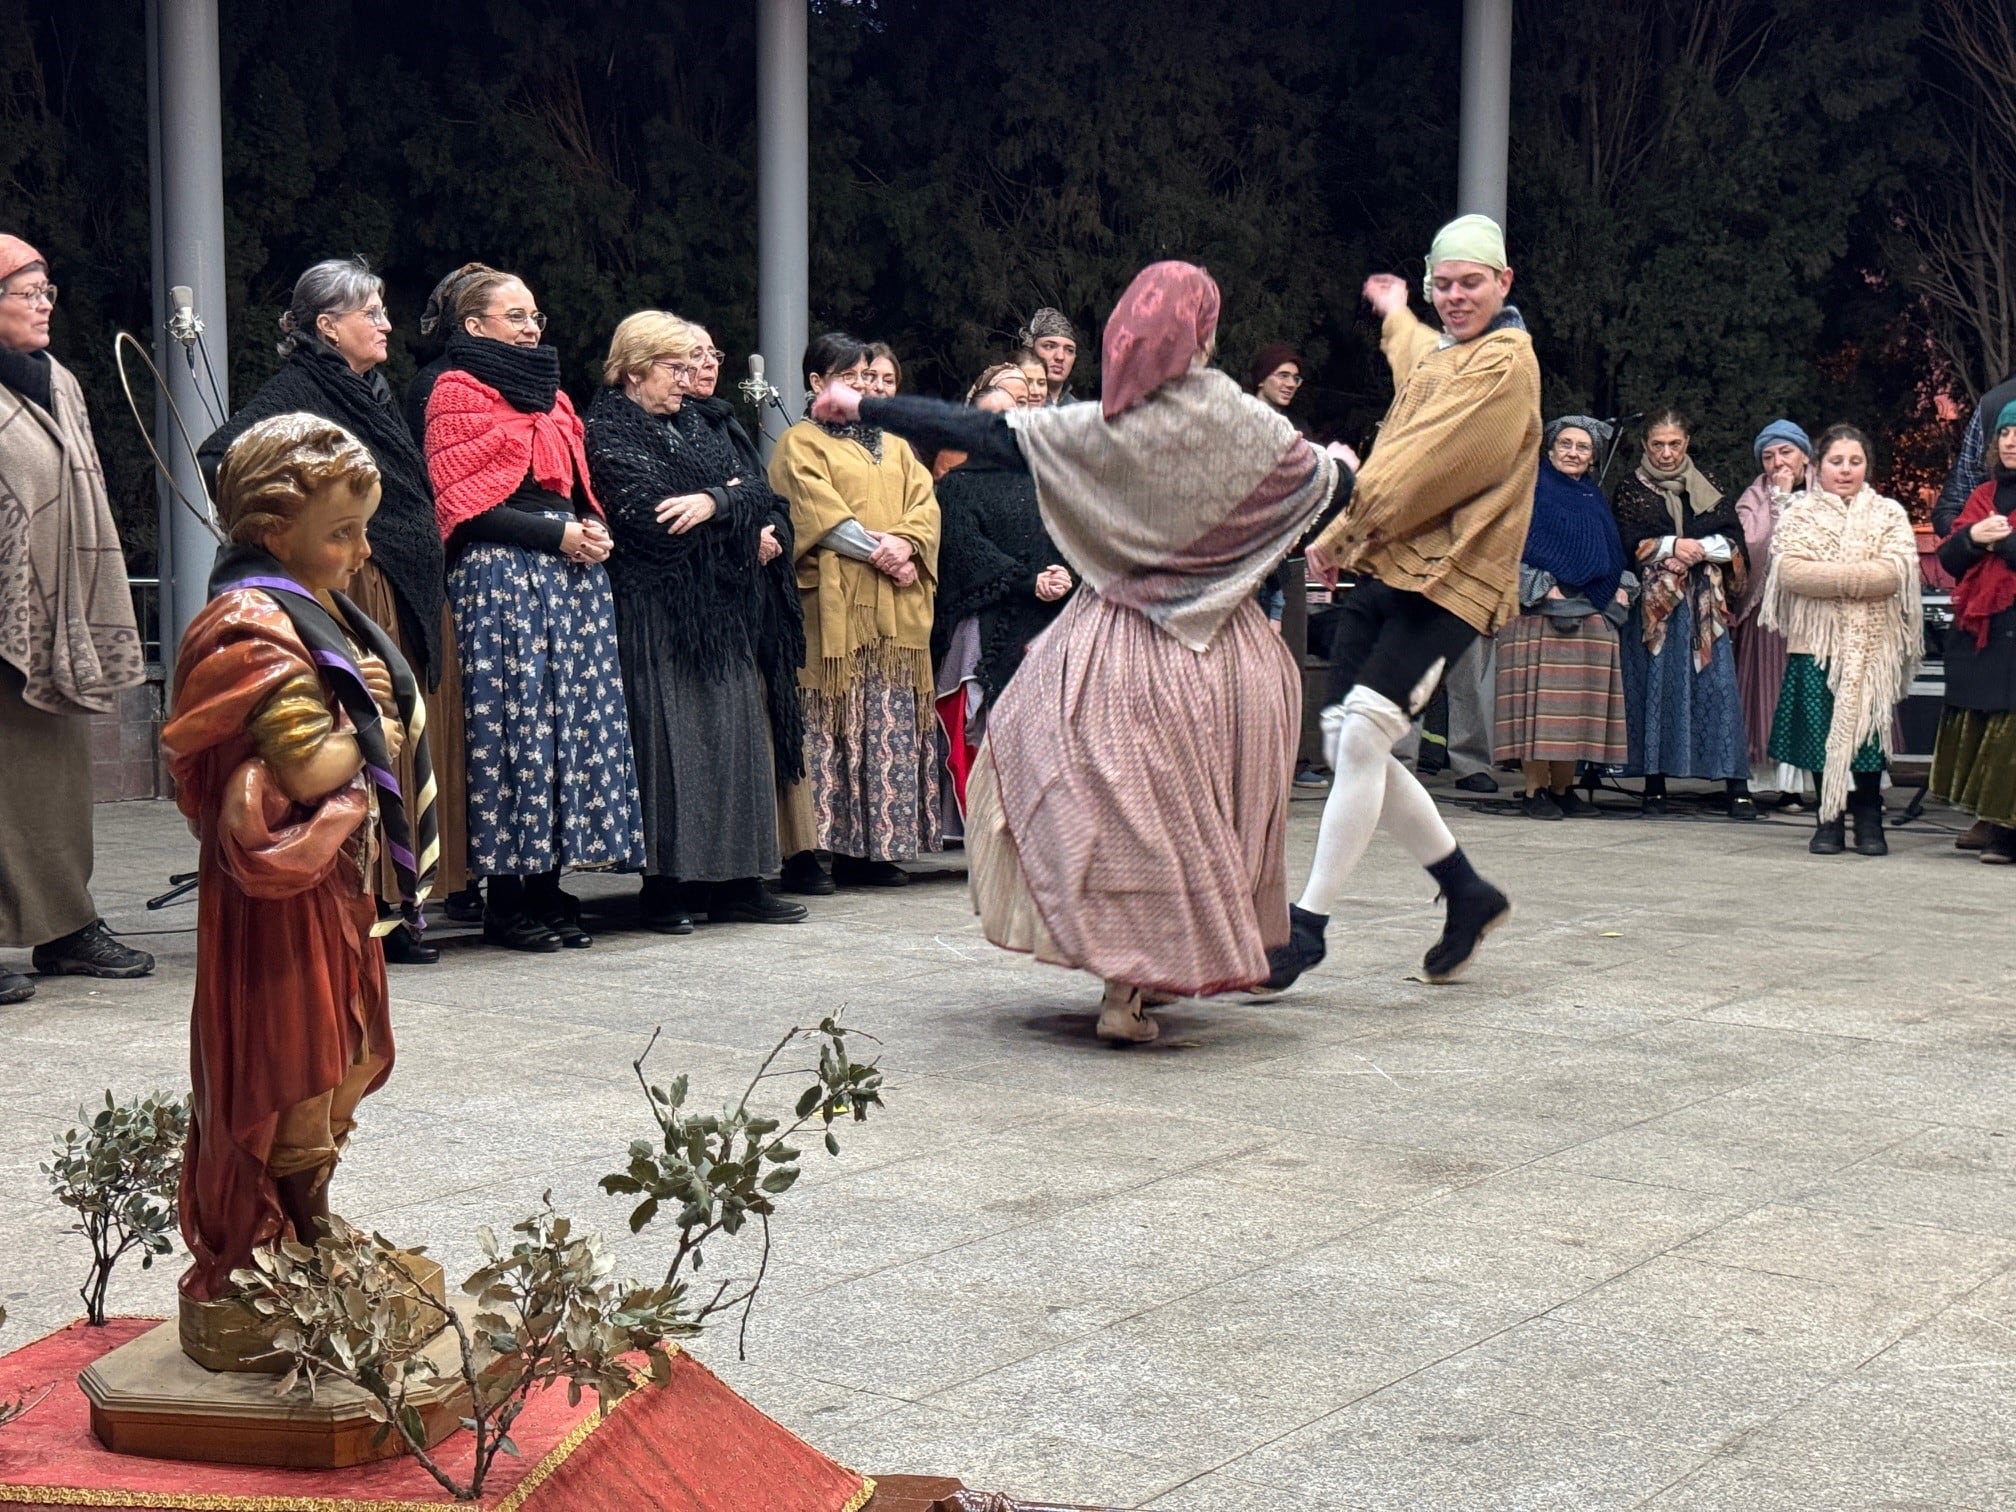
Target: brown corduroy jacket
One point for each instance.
(1442, 504)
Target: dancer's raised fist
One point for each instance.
(1386, 293)
(837, 404)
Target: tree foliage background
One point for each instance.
(1711, 200)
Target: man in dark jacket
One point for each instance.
(1970, 467)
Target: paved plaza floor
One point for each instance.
(1698, 1195)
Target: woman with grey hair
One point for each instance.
(333, 335)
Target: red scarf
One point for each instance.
(1989, 586)
(479, 449)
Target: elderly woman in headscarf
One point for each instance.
(68, 643)
(1560, 689)
(1685, 716)
(1784, 455)
(1126, 815)
(333, 335)
(1052, 337)
(1974, 759)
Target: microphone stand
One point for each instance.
(759, 391)
(1616, 424)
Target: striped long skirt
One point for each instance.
(1560, 695)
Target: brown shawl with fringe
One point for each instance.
(66, 610)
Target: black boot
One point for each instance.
(1829, 838)
(1866, 808)
(1304, 949)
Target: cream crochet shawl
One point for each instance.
(1843, 587)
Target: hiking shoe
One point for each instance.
(1303, 951)
(15, 988)
(1470, 917)
(91, 951)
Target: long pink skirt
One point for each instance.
(1127, 813)
(1760, 674)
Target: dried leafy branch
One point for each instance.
(120, 1175)
(351, 1309)
(724, 1169)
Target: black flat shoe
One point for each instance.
(851, 871)
(15, 988)
(673, 921)
(1470, 917)
(464, 907)
(1652, 808)
(1541, 805)
(1477, 782)
(760, 906)
(405, 948)
(564, 920)
(804, 875)
(1572, 804)
(1742, 806)
(92, 952)
(520, 932)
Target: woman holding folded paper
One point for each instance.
(866, 526)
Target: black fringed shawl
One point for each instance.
(405, 545)
(991, 547)
(708, 579)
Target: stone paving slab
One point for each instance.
(1698, 1194)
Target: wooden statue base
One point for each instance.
(228, 1335)
(149, 1397)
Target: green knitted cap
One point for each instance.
(2007, 418)
(1468, 238)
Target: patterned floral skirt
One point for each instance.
(1974, 763)
(551, 782)
(1805, 713)
(871, 768)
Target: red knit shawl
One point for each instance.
(479, 449)
(1989, 586)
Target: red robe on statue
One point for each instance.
(290, 986)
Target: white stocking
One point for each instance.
(1359, 736)
(1410, 816)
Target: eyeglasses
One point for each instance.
(40, 294)
(518, 320)
(714, 355)
(673, 366)
(376, 315)
(1294, 378)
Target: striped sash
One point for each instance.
(411, 837)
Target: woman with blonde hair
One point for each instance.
(687, 522)
(1843, 591)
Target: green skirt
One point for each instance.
(1805, 711)
(1974, 763)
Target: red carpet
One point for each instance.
(690, 1446)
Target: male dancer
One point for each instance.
(1434, 529)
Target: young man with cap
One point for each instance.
(1433, 530)
(1051, 336)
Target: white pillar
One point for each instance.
(189, 195)
(1485, 134)
(783, 177)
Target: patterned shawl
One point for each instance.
(1178, 507)
(66, 611)
(1869, 647)
(1651, 505)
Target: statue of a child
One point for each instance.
(289, 706)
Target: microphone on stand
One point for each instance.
(183, 326)
(756, 388)
(1616, 440)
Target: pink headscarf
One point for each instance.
(1166, 317)
(15, 254)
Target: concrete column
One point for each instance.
(189, 131)
(1485, 135)
(783, 177)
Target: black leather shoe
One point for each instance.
(405, 948)
(804, 875)
(1470, 917)
(1829, 839)
(519, 932)
(1742, 806)
(852, 871)
(1304, 950)
(92, 952)
(464, 907)
(1477, 782)
(564, 919)
(745, 904)
(15, 988)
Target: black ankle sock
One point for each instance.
(506, 895)
(1454, 874)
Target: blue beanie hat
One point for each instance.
(1782, 430)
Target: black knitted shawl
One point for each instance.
(1642, 516)
(780, 635)
(405, 542)
(991, 547)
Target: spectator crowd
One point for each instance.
(646, 650)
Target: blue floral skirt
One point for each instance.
(551, 782)
(1682, 723)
